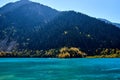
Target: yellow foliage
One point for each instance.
(65, 55)
(73, 52)
(65, 32)
(88, 35)
(64, 49)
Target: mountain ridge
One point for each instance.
(109, 22)
(34, 26)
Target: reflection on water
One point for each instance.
(59, 69)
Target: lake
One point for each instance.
(59, 69)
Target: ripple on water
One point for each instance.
(59, 69)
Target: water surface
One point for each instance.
(59, 69)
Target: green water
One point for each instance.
(59, 69)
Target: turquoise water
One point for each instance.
(59, 69)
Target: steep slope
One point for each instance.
(108, 22)
(19, 20)
(117, 24)
(79, 30)
(26, 13)
(33, 26)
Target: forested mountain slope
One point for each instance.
(26, 25)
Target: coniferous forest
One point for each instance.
(29, 29)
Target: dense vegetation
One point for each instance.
(64, 52)
(30, 29)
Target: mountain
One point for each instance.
(26, 13)
(117, 24)
(79, 30)
(108, 22)
(33, 26)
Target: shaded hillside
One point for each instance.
(25, 14)
(108, 22)
(34, 26)
(78, 30)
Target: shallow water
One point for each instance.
(59, 69)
